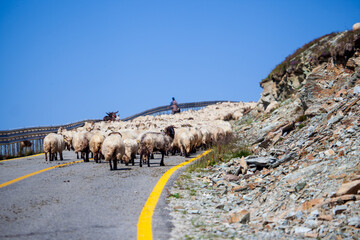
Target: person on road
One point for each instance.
(174, 106)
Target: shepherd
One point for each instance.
(174, 106)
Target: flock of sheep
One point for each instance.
(116, 141)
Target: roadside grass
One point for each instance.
(222, 152)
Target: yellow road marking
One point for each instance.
(144, 229)
(34, 173)
(22, 157)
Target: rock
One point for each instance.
(231, 177)
(240, 217)
(339, 209)
(300, 187)
(315, 110)
(349, 188)
(260, 161)
(286, 158)
(288, 128)
(301, 230)
(272, 106)
(335, 119)
(311, 235)
(325, 217)
(243, 166)
(357, 90)
(356, 26)
(311, 224)
(194, 211)
(314, 215)
(329, 152)
(354, 221)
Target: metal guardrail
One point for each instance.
(167, 109)
(10, 140)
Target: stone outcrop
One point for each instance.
(302, 180)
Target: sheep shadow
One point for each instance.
(121, 169)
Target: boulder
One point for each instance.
(349, 188)
(260, 161)
(356, 26)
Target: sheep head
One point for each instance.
(170, 131)
(68, 142)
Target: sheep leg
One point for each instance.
(45, 156)
(152, 156)
(56, 156)
(96, 158)
(133, 160)
(162, 158)
(110, 165)
(115, 164)
(141, 158)
(148, 160)
(77, 155)
(61, 156)
(86, 156)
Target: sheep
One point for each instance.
(131, 147)
(24, 144)
(113, 149)
(95, 144)
(184, 141)
(152, 141)
(206, 137)
(81, 142)
(53, 143)
(68, 136)
(131, 134)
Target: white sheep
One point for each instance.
(95, 145)
(53, 143)
(152, 141)
(131, 148)
(113, 149)
(183, 141)
(80, 142)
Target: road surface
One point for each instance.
(80, 200)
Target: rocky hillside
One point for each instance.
(303, 177)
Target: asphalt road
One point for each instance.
(81, 200)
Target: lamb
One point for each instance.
(95, 144)
(131, 147)
(113, 149)
(53, 143)
(152, 141)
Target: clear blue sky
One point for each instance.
(71, 60)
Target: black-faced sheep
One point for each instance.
(153, 141)
(113, 149)
(53, 143)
